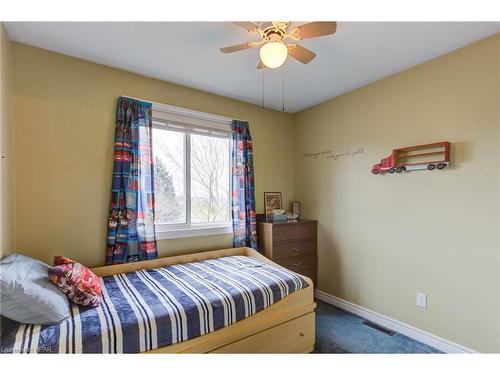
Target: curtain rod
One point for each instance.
(161, 107)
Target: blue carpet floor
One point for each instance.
(338, 331)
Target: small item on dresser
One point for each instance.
(80, 284)
(296, 208)
(278, 217)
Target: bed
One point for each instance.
(223, 301)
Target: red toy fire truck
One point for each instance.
(415, 158)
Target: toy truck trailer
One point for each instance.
(429, 156)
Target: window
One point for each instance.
(192, 172)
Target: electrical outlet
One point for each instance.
(422, 300)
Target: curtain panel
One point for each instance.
(243, 195)
(131, 231)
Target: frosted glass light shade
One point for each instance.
(273, 54)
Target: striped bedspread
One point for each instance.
(148, 309)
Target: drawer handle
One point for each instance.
(297, 249)
(302, 334)
(296, 264)
(280, 233)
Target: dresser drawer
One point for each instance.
(294, 249)
(293, 232)
(297, 264)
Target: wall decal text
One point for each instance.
(330, 154)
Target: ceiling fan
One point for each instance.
(274, 51)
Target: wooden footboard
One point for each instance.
(287, 326)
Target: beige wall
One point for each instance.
(64, 127)
(7, 209)
(383, 238)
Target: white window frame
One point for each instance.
(192, 122)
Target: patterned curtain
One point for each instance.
(131, 231)
(243, 195)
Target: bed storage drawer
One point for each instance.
(294, 336)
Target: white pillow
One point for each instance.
(26, 293)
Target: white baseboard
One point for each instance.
(403, 328)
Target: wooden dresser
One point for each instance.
(291, 244)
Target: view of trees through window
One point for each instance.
(170, 196)
(209, 177)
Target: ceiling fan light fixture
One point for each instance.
(273, 54)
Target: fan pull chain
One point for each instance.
(283, 92)
(263, 103)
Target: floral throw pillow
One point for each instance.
(80, 284)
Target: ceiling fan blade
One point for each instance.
(237, 47)
(248, 26)
(261, 65)
(300, 53)
(314, 29)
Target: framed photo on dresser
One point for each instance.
(272, 201)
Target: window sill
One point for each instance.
(168, 234)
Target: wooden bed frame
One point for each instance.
(286, 326)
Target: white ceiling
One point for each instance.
(187, 53)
